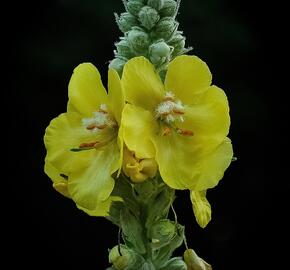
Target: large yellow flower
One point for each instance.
(84, 145)
(182, 123)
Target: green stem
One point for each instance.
(150, 238)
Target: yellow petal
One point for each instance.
(59, 182)
(210, 170)
(102, 209)
(138, 127)
(94, 184)
(116, 97)
(86, 91)
(176, 159)
(187, 77)
(142, 85)
(120, 142)
(64, 133)
(209, 120)
(201, 207)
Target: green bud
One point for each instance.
(119, 261)
(165, 28)
(159, 53)
(126, 22)
(148, 17)
(134, 7)
(194, 262)
(117, 64)
(160, 49)
(178, 42)
(138, 39)
(128, 259)
(157, 4)
(123, 49)
(175, 264)
(161, 233)
(169, 8)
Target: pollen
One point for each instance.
(101, 119)
(170, 109)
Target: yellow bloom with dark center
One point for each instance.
(182, 123)
(84, 145)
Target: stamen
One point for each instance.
(91, 127)
(166, 131)
(88, 145)
(178, 111)
(184, 132)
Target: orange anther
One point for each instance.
(91, 126)
(185, 132)
(88, 145)
(178, 112)
(166, 131)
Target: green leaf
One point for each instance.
(132, 231)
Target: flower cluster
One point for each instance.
(150, 30)
(140, 128)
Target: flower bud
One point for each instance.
(134, 7)
(165, 28)
(119, 261)
(148, 17)
(117, 64)
(159, 53)
(62, 188)
(175, 264)
(157, 4)
(162, 232)
(178, 40)
(128, 259)
(138, 170)
(194, 262)
(138, 39)
(168, 9)
(126, 22)
(123, 49)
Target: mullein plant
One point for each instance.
(160, 126)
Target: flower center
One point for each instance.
(170, 110)
(101, 119)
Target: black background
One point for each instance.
(244, 45)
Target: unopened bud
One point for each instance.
(124, 258)
(124, 49)
(169, 8)
(178, 42)
(148, 17)
(117, 64)
(166, 28)
(159, 53)
(134, 7)
(119, 260)
(194, 262)
(62, 188)
(126, 22)
(163, 231)
(138, 170)
(157, 4)
(138, 39)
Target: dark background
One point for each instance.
(243, 44)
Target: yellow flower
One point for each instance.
(182, 123)
(84, 145)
